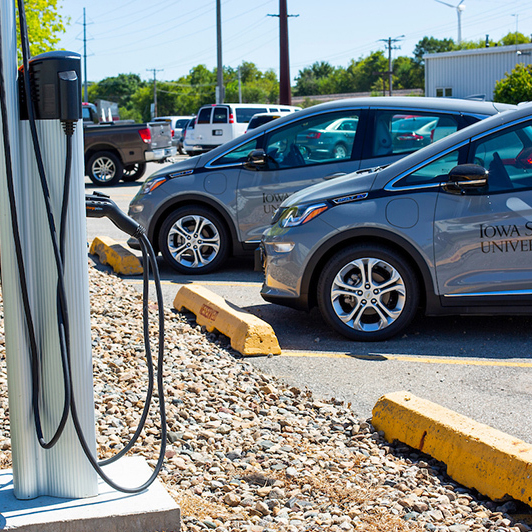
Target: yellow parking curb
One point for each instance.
(476, 455)
(249, 335)
(116, 256)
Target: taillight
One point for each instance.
(314, 135)
(231, 118)
(410, 136)
(145, 135)
(172, 133)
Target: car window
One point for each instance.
(257, 121)
(314, 140)
(400, 132)
(244, 114)
(238, 155)
(432, 172)
(204, 116)
(220, 115)
(508, 158)
(181, 123)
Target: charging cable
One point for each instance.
(101, 206)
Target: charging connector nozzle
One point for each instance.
(99, 205)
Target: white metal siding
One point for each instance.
(471, 72)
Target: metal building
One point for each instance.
(468, 73)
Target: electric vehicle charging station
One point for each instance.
(45, 282)
(62, 471)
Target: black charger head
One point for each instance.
(55, 86)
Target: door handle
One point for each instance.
(337, 174)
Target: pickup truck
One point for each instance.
(120, 150)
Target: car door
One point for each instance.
(483, 238)
(221, 130)
(394, 133)
(294, 161)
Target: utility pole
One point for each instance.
(85, 82)
(219, 64)
(239, 85)
(389, 41)
(154, 70)
(85, 91)
(285, 95)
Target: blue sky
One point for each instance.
(136, 36)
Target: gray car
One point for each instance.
(199, 211)
(447, 229)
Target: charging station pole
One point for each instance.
(63, 470)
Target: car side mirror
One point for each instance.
(257, 160)
(466, 177)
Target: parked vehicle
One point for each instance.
(217, 124)
(199, 211)
(447, 228)
(262, 118)
(178, 124)
(115, 151)
(188, 137)
(333, 141)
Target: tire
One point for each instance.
(133, 172)
(340, 151)
(105, 169)
(351, 296)
(191, 252)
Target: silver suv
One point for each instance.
(199, 211)
(448, 229)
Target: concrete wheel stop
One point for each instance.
(153, 510)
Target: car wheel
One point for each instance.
(105, 169)
(194, 240)
(368, 293)
(133, 172)
(340, 151)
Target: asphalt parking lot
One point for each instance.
(478, 366)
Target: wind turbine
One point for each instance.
(459, 8)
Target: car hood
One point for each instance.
(187, 164)
(354, 183)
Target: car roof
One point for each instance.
(413, 103)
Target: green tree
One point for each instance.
(117, 89)
(45, 26)
(366, 74)
(516, 87)
(406, 75)
(513, 38)
(430, 45)
(315, 80)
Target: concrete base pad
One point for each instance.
(111, 511)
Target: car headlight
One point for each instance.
(152, 184)
(301, 214)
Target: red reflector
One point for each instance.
(145, 135)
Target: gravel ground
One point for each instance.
(247, 452)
